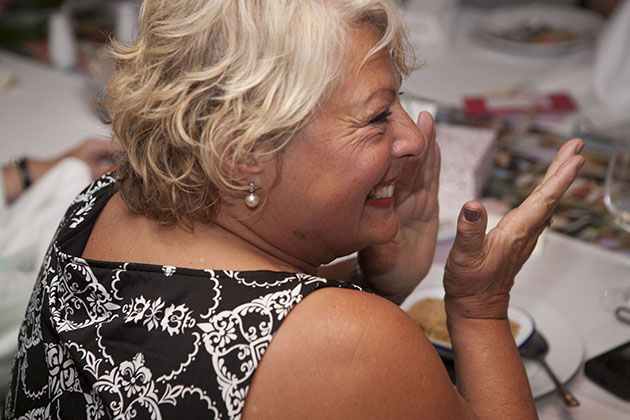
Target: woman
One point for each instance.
(261, 140)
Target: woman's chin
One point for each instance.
(384, 233)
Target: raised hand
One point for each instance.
(96, 152)
(481, 268)
(395, 269)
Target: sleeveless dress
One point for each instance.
(127, 340)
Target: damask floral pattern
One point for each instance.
(108, 340)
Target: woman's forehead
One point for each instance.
(363, 78)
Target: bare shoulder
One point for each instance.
(348, 354)
(113, 235)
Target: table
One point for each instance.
(568, 274)
(571, 275)
(46, 112)
(463, 68)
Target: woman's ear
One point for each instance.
(244, 168)
(239, 166)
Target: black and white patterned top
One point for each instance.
(127, 340)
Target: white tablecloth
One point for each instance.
(45, 112)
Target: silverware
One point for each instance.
(536, 348)
(623, 314)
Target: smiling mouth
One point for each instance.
(382, 192)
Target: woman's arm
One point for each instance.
(478, 277)
(96, 153)
(343, 354)
(14, 183)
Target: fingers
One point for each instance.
(432, 158)
(426, 125)
(568, 150)
(437, 162)
(534, 213)
(557, 183)
(418, 173)
(471, 231)
(99, 146)
(97, 152)
(92, 148)
(540, 205)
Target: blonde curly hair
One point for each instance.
(212, 80)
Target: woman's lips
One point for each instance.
(379, 202)
(381, 195)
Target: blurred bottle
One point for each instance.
(62, 45)
(126, 15)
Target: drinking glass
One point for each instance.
(617, 201)
(617, 187)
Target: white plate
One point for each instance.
(515, 313)
(566, 349)
(490, 29)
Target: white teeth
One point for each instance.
(386, 191)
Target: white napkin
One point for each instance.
(612, 61)
(27, 226)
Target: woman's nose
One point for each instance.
(410, 139)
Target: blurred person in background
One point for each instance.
(34, 195)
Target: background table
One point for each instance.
(461, 67)
(571, 275)
(45, 112)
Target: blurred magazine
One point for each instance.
(521, 156)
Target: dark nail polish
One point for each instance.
(471, 215)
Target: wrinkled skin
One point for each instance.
(480, 268)
(396, 268)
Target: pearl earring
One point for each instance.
(252, 199)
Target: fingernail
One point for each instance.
(425, 123)
(579, 148)
(580, 165)
(471, 215)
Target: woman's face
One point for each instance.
(337, 176)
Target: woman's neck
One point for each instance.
(249, 247)
(120, 235)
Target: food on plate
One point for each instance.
(430, 315)
(535, 32)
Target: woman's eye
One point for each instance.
(380, 118)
